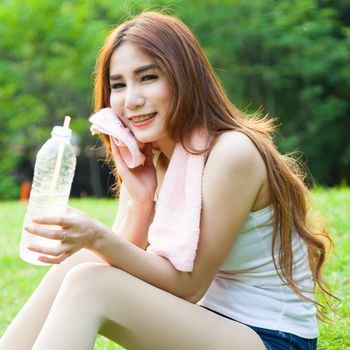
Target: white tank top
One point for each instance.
(248, 289)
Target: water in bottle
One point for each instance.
(53, 176)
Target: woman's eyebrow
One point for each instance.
(146, 67)
(136, 71)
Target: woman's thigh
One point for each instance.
(31, 317)
(138, 315)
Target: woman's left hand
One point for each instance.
(77, 231)
(140, 182)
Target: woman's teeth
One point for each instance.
(143, 118)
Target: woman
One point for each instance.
(258, 257)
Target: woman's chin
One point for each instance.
(146, 137)
(141, 140)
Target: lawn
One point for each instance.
(19, 279)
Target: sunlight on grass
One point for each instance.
(19, 279)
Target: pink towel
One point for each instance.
(174, 232)
(106, 122)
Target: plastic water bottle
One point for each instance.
(53, 176)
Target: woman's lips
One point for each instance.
(143, 120)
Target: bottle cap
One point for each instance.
(61, 131)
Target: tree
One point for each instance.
(291, 57)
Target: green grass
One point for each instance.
(19, 279)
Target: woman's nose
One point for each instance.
(134, 98)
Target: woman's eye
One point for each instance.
(117, 86)
(149, 77)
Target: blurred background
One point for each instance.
(290, 58)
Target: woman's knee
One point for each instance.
(80, 291)
(57, 273)
(95, 289)
(86, 282)
(82, 278)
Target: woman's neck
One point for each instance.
(166, 147)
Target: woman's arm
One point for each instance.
(135, 216)
(233, 177)
(133, 230)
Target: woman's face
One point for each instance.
(140, 93)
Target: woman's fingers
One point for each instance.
(75, 231)
(54, 260)
(53, 251)
(64, 221)
(122, 166)
(147, 151)
(46, 232)
(117, 156)
(120, 163)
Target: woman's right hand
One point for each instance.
(140, 182)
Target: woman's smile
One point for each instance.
(142, 119)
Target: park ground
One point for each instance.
(19, 279)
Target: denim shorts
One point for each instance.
(277, 340)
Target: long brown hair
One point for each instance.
(199, 102)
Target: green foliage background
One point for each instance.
(291, 57)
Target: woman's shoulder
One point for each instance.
(235, 148)
(234, 158)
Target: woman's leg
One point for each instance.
(98, 298)
(24, 329)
